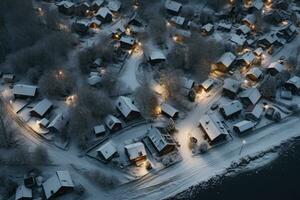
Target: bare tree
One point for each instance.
(268, 87)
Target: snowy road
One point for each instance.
(129, 71)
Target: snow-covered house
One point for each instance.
(258, 51)
(104, 15)
(231, 87)
(66, 7)
(178, 20)
(8, 78)
(187, 83)
(58, 123)
(238, 40)
(213, 128)
(250, 96)
(94, 80)
(127, 42)
(106, 150)
(288, 32)
(247, 59)
(207, 84)
(207, 29)
(173, 7)
(249, 20)
(161, 141)
(58, 184)
(94, 23)
(256, 6)
(114, 5)
(268, 40)
(243, 126)
(136, 152)
(24, 91)
(156, 56)
(232, 109)
(43, 123)
(254, 74)
(127, 108)
(23, 193)
(224, 26)
(243, 30)
(226, 62)
(293, 84)
(254, 113)
(275, 68)
(41, 108)
(99, 130)
(169, 110)
(113, 123)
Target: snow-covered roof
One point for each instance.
(231, 108)
(248, 57)
(157, 55)
(207, 83)
(256, 111)
(61, 179)
(44, 122)
(128, 40)
(270, 38)
(255, 71)
(23, 192)
(231, 85)
(107, 150)
(58, 122)
(111, 121)
(8, 76)
(238, 39)
(169, 110)
(97, 2)
(160, 140)
(173, 6)
(244, 29)
(249, 19)
(223, 25)
(42, 107)
(135, 150)
(227, 59)
(178, 20)
(66, 4)
(114, 5)
(103, 12)
(83, 22)
(258, 4)
(95, 21)
(295, 80)
(99, 129)
(276, 66)
(94, 80)
(212, 126)
(252, 94)
(258, 51)
(207, 27)
(187, 83)
(126, 105)
(244, 125)
(24, 90)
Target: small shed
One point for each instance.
(99, 130)
(169, 110)
(178, 20)
(243, 126)
(113, 123)
(173, 7)
(23, 193)
(107, 150)
(136, 152)
(207, 29)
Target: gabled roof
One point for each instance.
(258, 51)
(168, 109)
(238, 39)
(42, 107)
(258, 4)
(23, 192)
(252, 94)
(97, 2)
(232, 107)
(125, 105)
(244, 125)
(256, 111)
(58, 122)
(212, 126)
(99, 129)
(111, 120)
(94, 80)
(295, 80)
(207, 83)
(157, 55)
(248, 57)
(187, 83)
(60, 180)
(66, 4)
(250, 19)
(244, 29)
(231, 85)
(107, 150)
(227, 59)
(224, 26)
(178, 20)
(135, 150)
(128, 40)
(103, 12)
(173, 6)
(277, 66)
(160, 140)
(255, 71)
(24, 90)
(208, 27)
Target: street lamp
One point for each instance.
(243, 143)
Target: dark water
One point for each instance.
(280, 180)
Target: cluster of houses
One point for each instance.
(55, 186)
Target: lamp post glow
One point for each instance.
(243, 143)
